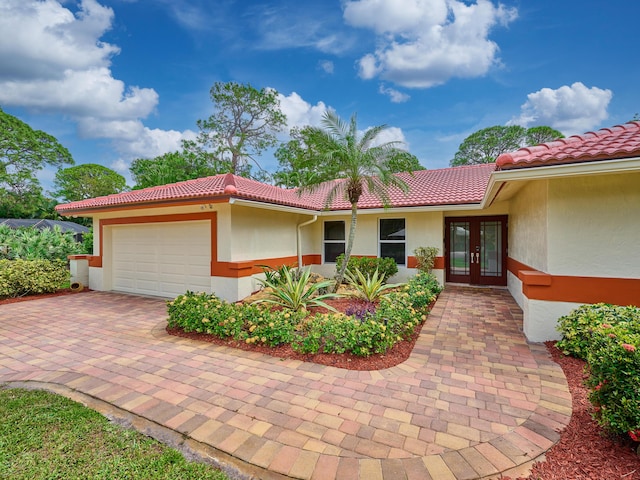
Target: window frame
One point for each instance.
(334, 242)
(403, 241)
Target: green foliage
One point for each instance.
(614, 369)
(343, 153)
(294, 292)
(485, 145)
(278, 276)
(578, 326)
(396, 318)
(48, 436)
(174, 167)
(386, 267)
(29, 277)
(608, 338)
(87, 242)
(32, 244)
(423, 289)
(370, 287)
(244, 124)
(426, 258)
(23, 152)
(88, 180)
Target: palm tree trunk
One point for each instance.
(352, 236)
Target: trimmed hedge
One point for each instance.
(28, 277)
(386, 267)
(395, 319)
(608, 338)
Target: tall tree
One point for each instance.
(172, 167)
(23, 152)
(297, 159)
(356, 163)
(541, 134)
(88, 180)
(244, 124)
(485, 145)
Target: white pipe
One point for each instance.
(299, 238)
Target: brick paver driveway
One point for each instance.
(473, 400)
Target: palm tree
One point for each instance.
(354, 162)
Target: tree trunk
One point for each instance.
(352, 236)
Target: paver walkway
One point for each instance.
(473, 400)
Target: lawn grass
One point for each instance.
(47, 436)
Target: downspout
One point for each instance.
(299, 238)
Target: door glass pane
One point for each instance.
(459, 248)
(490, 253)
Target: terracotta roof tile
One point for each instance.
(447, 186)
(621, 141)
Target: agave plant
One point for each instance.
(294, 292)
(370, 287)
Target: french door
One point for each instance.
(476, 250)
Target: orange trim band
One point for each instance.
(538, 285)
(217, 269)
(438, 264)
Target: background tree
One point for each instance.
(23, 152)
(87, 181)
(171, 168)
(340, 153)
(297, 159)
(542, 134)
(485, 145)
(244, 124)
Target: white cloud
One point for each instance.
(391, 134)
(424, 43)
(52, 60)
(395, 95)
(571, 109)
(326, 66)
(299, 112)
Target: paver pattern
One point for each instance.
(473, 400)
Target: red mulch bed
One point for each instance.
(65, 291)
(584, 451)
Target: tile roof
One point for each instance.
(621, 141)
(447, 186)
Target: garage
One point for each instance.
(161, 259)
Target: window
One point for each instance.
(334, 240)
(393, 239)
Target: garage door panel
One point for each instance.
(164, 259)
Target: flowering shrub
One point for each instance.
(577, 327)
(614, 372)
(29, 277)
(608, 338)
(396, 318)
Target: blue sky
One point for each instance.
(116, 80)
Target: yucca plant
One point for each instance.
(370, 287)
(294, 292)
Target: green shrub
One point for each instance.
(578, 326)
(294, 292)
(370, 287)
(608, 338)
(29, 277)
(614, 369)
(395, 319)
(386, 267)
(426, 258)
(33, 244)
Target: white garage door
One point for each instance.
(163, 259)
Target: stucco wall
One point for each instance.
(528, 242)
(594, 226)
(260, 233)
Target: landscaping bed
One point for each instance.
(396, 355)
(58, 293)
